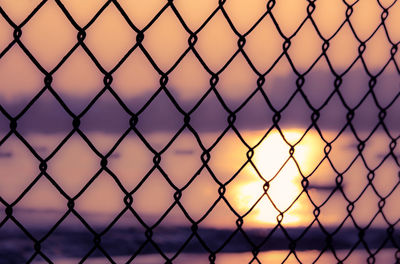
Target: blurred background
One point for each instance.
(327, 168)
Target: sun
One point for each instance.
(279, 169)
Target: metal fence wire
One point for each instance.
(97, 244)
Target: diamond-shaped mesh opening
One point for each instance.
(332, 119)
(167, 29)
(160, 114)
(236, 82)
(343, 49)
(243, 196)
(265, 34)
(378, 44)
(41, 207)
(232, 160)
(301, 51)
(120, 37)
(206, 132)
(212, 113)
(362, 10)
(74, 85)
(181, 160)
(154, 188)
(280, 87)
(216, 42)
(136, 79)
(104, 115)
(204, 186)
(57, 44)
(188, 81)
(131, 161)
(318, 85)
(257, 116)
(101, 201)
(73, 178)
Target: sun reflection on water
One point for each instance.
(279, 169)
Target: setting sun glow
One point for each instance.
(273, 161)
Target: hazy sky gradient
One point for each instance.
(110, 37)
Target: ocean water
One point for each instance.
(75, 164)
(273, 256)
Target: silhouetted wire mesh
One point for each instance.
(135, 118)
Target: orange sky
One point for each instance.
(109, 38)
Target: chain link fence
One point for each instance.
(294, 243)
